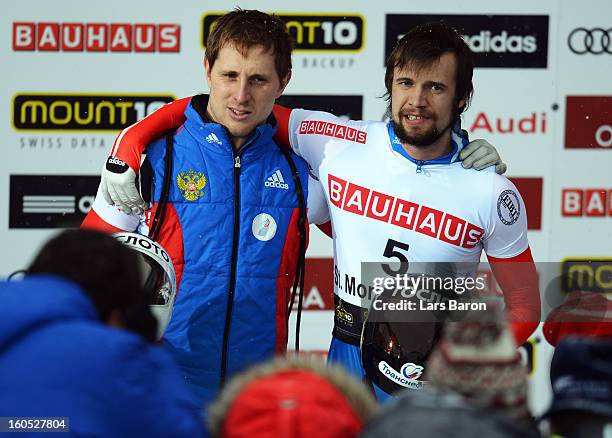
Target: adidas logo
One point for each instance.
(212, 138)
(277, 180)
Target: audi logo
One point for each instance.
(595, 41)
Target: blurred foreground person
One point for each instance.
(582, 313)
(73, 344)
(296, 397)
(474, 384)
(581, 378)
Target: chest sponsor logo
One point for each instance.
(497, 41)
(50, 201)
(48, 112)
(191, 184)
(263, 227)
(329, 129)
(588, 122)
(96, 37)
(276, 180)
(586, 202)
(375, 205)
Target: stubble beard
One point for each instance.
(420, 140)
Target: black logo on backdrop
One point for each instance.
(50, 201)
(348, 107)
(314, 31)
(595, 41)
(82, 112)
(497, 41)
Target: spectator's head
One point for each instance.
(428, 76)
(248, 65)
(106, 270)
(477, 359)
(295, 397)
(581, 378)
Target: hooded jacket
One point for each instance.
(57, 359)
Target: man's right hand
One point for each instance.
(118, 186)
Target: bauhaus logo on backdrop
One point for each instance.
(76, 112)
(588, 122)
(96, 37)
(594, 202)
(497, 41)
(50, 201)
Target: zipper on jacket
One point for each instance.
(232, 282)
(419, 168)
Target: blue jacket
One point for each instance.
(231, 228)
(58, 360)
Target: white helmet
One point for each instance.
(159, 278)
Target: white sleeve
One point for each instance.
(310, 132)
(318, 212)
(113, 215)
(507, 233)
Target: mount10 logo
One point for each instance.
(339, 32)
(497, 41)
(36, 112)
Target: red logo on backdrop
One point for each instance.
(96, 37)
(586, 202)
(319, 284)
(588, 122)
(531, 192)
(534, 123)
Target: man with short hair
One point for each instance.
(328, 144)
(228, 205)
(68, 347)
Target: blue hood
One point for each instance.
(39, 300)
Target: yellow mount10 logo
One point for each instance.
(587, 275)
(312, 32)
(80, 112)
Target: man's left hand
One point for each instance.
(480, 154)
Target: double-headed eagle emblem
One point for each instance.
(191, 184)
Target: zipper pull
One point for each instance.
(237, 162)
(419, 168)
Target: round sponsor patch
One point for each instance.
(264, 227)
(508, 207)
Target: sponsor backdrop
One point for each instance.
(74, 73)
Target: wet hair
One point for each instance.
(106, 270)
(246, 28)
(423, 46)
